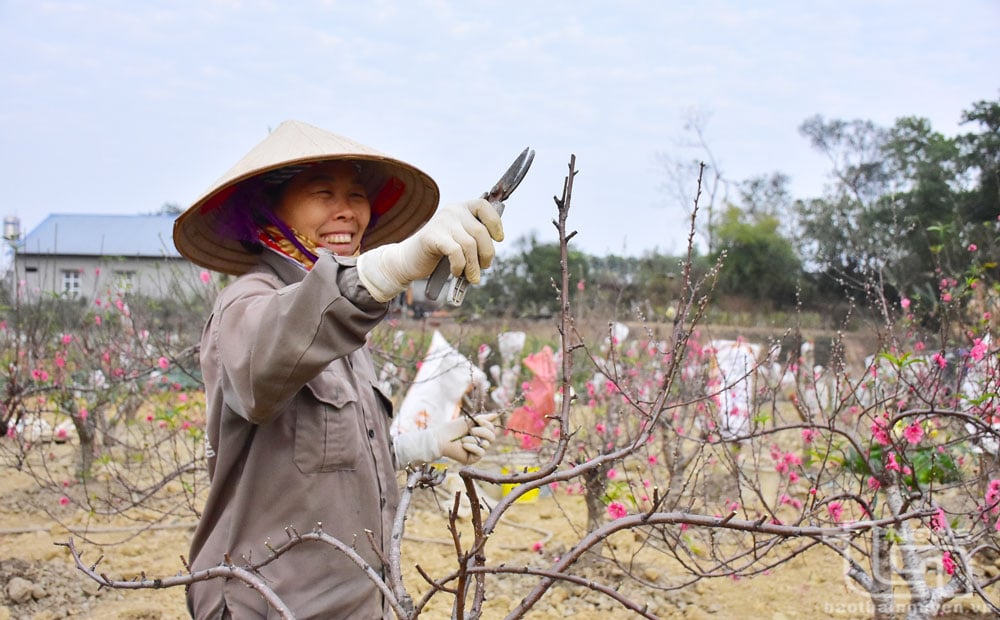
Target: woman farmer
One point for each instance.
(323, 232)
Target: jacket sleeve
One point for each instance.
(271, 339)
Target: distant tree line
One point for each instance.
(904, 205)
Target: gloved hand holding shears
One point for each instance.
(462, 233)
(457, 241)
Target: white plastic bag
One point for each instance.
(444, 377)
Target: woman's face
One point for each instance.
(327, 205)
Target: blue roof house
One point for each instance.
(94, 256)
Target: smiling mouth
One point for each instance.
(338, 239)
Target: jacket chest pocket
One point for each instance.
(328, 426)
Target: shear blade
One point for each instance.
(497, 195)
(512, 178)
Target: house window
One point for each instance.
(124, 280)
(71, 282)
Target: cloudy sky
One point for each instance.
(120, 107)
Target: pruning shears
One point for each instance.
(496, 196)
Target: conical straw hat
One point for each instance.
(403, 197)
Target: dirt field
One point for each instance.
(39, 581)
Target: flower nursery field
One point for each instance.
(40, 582)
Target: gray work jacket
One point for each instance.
(297, 435)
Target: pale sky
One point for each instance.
(120, 107)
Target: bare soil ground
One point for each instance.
(39, 581)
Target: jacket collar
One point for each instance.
(287, 269)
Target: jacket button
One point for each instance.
(371, 433)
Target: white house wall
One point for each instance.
(101, 277)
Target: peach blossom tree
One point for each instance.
(113, 378)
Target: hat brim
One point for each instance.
(198, 232)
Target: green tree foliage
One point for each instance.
(645, 285)
(905, 202)
(525, 284)
(980, 158)
(923, 165)
(657, 278)
(838, 232)
(760, 263)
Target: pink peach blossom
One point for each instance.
(879, 432)
(938, 520)
(616, 510)
(836, 510)
(890, 462)
(948, 563)
(914, 433)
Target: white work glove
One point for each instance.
(459, 439)
(464, 232)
